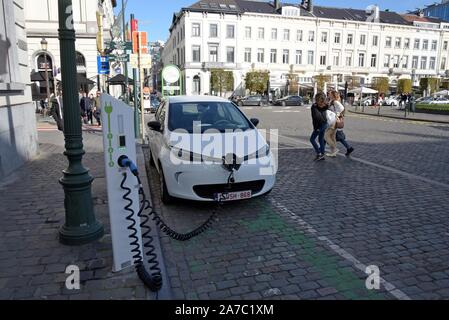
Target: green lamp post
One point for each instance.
(80, 226)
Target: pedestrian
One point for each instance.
(333, 115)
(96, 107)
(56, 110)
(340, 135)
(319, 119)
(83, 107)
(89, 109)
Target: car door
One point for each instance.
(156, 138)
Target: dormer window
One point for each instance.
(289, 11)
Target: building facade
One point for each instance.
(42, 22)
(305, 40)
(437, 10)
(156, 49)
(18, 134)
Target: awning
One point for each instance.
(119, 79)
(40, 76)
(81, 79)
(363, 90)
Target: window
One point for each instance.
(387, 58)
(196, 85)
(230, 31)
(196, 30)
(336, 59)
(286, 35)
(285, 56)
(397, 43)
(299, 35)
(425, 45)
(423, 63)
(415, 62)
(443, 63)
(323, 37)
(322, 59)
(373, 60)
(230, 54)
(348, 59)
(407, 43)
(196, 54)
(396, 61)
(310, 57)
(274, 34)
(261, 33)
(337, 38)
(363, 39)
(298, 57)
(445, 45)
(213, 31)
(213, 53)
(260, 55)
(350, 38)
(405, 62)
(416, 44)
(434, 45)
(311, 36)
(361, 59)
(247, 32)
(388, 42)
(247, 57)
(273, 56)
(375, 41)
(432, 63)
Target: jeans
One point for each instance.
(341, 137)
(320, 134)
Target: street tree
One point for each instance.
(404, 86)
(221, 80)
(429, 84)
(257, 81)
(381, 84)
(321, 80)
(293, 83)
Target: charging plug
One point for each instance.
(125, 162)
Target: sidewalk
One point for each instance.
(389, 112)
(32, 261)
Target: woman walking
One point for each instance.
(319, 119)
(335, 115)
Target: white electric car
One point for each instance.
(206, 149)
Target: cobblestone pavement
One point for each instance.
(32, 262)
(324, 223)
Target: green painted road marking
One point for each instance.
(110, 136)
(346, 282)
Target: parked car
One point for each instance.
(256, 100)
(195, 171)
(289, 101)
(367, 101)
(440, 100)
(392, 101)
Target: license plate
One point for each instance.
(233, 196)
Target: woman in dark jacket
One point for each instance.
(319, 109)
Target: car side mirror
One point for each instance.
(155, 126)
(255, 122)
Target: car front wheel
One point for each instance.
(165, 196)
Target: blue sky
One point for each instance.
(155, 16)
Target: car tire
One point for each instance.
(165, 196)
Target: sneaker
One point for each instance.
(333, 154)
(317, 157)
(350, 150)
(320, 157)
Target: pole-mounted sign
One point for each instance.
(171, 76)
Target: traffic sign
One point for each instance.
(142, 36)
(145, 61)
(103, 65)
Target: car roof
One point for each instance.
(184, 99)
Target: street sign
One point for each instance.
(170, 88)
(171, 74)
(103, 65)
(121, 45)
(142, 36)
(119, 58)
(145, 61)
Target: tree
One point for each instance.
(381, 84)
(404, 86)
(429, 84)
(221, 80)
(293, 83)
(257, 81)
(321, 80)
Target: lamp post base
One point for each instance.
(76, 236)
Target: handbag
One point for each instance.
(340, 122)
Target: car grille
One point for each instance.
(208, 191)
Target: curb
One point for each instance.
(165, 293)
(399, 118)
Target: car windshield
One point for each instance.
(202, 116)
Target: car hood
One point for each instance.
(215, 146)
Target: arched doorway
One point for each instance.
(196, 85)
(45, 64)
